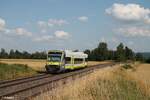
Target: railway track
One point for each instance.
(25, 88)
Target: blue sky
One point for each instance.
(34, 25)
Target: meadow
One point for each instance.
(39, 65)
(112, 83)
(33, 63)
(121, 82)
(17, 68)
(14, 71)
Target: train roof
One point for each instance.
(75, 54)
(55, 51)
(70, 53)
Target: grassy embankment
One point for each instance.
(106, 84)
(13, 71)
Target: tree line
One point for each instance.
(16, 54)
(122, 53)
(100, 53)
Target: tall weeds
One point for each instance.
(106, 84)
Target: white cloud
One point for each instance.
(17, 32)
(129, 12)
(83, 18)
(57, 35)
(135, 31)
(42, 24)
(14, 31)
(61, 34)
(57, 22)
(45, 25)
(2, 24)
(43, 38)
(22, 32)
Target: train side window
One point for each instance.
(78, 61)
(67, 60)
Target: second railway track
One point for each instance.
(28, 87)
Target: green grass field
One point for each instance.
(13, 71)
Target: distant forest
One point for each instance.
(121, 54)
(16, 54)
(100, 53)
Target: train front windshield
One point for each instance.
(54, 57)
